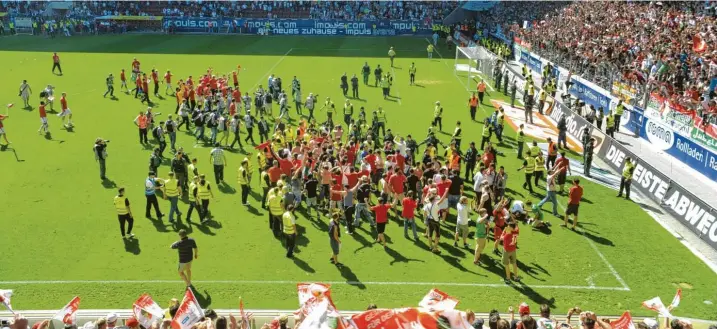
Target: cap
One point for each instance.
(88, 325)
(112, 317)
(523, 309)
(132, 322)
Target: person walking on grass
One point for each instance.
(204, 195)
(574, 196)
(124, 213)
(510, 259)
(219, 160)
(192, 196)
(381, 212)
(551, 189)
(151, 185)
(243, 177)
(188, 251)
(335, 238)
(408, 209)
(462, 219)
(290, 232)
(172, 191)
(482, 225)
(431, 210)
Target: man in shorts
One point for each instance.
(510, 243)
(574, 196)
(188, 251)
(431, 211)
(462, 219)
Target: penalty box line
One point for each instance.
(351, 283)
(281, 59)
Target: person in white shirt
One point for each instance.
(401, 145)
(478, 179)
(462, 219)
(25, 92)
(431, 211)
(517, 211)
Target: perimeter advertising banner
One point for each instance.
(301, 26)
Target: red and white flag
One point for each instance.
(656, 305)
(624, 322)
(5, 299)
(67, 314)
(677, 299)
(307, 291)
(146, 310)
(189, 312)
(437, 300)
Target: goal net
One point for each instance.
(473, 64)
(23, 25)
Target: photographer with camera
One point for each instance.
(100, 150)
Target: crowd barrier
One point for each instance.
(692, 212)
(297, 26)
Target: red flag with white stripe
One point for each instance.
(146, 310)
(624, 322)
(189, 312)
(677, 299)
(68, 313)
(5, 299)
(437, 300)
(656, 305)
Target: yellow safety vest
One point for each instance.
(627, 171)
(120, 205)
(610, 121)
(203, 191)
(275, 203)
(521, 136)
(171, 187)
(348, 109)
(192, 186)
(381, 116)
(437, 112)
(539, 163)
(486, 130)
(501, 119)
(534, 150)
(530, 166)
(262, 160)
(243, 176)
(264, 180)
(288, 224)
(619, 109)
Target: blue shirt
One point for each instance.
(149, 186)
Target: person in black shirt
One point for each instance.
(335, 241)
(100, 150)
(188, 251)
(365, 71)
(377, 72)
(363, 194)
(310, 187)
(263, 129)
(354, 86)
(412, 181)
(179, 167)
(455, 190)
(471, 158)
(344, 85)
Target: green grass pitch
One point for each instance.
(58, 223)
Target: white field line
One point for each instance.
(435, 49)
(398, 93)
(612, 270)
(281, 59)
(378, 283)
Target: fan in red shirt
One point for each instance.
(337, 193)
(274, 173)
(381, 213)
(397, 182)
(135, 65)
(574, 196)
(155, 80)
(168, 83)
(442, 190)
(409, 205)
(145, 88)
(352, 177)
(499, 216)
(43, 120)
(66, 113)
(235, 79)
(564, 164)
(123, 79)
(510, 244)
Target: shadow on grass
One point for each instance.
(350, 277)
(205, 300)
(131, 245)
(399, 258)
(596, 238)
(303, 265)
(158, 224)
(108, 183)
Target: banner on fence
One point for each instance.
(623, 91)
(590, 93)
(302, 26)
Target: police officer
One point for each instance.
(100, 150)
(520, 139)
(381, 121)
(344, 85)
(179, 167)
(155, 160)
(626, 179)
(365, 71)
(151, 185)
(124, 213)
(354, 86)
(498, 76)
(438, 116)
(471, 158)
(487, 129)
(505, 83)
(513, 90)
(349, 109)
(588, 156)
(529, 167)
(619, 109)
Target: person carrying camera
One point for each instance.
(100, 150)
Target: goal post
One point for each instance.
(473, 64)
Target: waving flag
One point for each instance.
(245, 317)
(413, 317)
(677, 299)
(437, 300)
(624, 322)
(318, 307)
(656, 305)
(5, 299)
(263, 145)
(67, 314)
(189, 312)
(147, 310)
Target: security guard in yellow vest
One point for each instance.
(381, 121)
(172, 191)
(541, 101)
(521, 140)
(529, 168)
(243, 178)
(438, 116)
(276, 208)
(487, 130)
(535, 149)
(539, 169)
(204, 194)
(330, 109)
(34, 28)
(348, 112)
(412, 72)
(626, 179)
(619, 109)
(11, 24)
(192, 195)
(124, 213)
(385, 87)
(610, 124)
(289, 222)
(265, 183)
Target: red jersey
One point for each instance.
(488, 159)
(145, 85)
(213, 83)
(190, 82)
(409, 207)
(274, 174)
(352, 179)
(43, 114)
(138, 82)
(225, 91)
(191, 94)
(122, 77)
(234, 77)
(371, 159)
(565, 164)
(508, 241)
(154, 76)
(135, 65)
(63, 103)
(499, 217)
(55, 58)
(232, 109)
(397, 182)
(285, 166)
(381, 212)
(236, 96)
(443, 187)
(168, 77)
(575, 194)
(336, 192)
